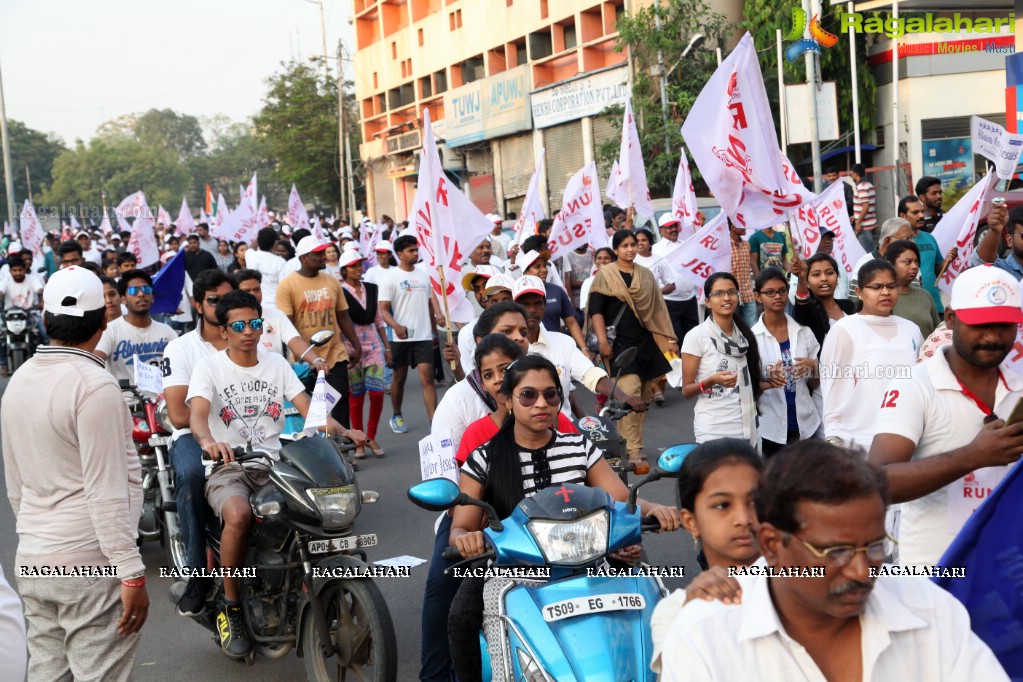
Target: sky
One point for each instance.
(70, 65)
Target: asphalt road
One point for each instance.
(175, 648)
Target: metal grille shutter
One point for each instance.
(564, 144)
(516, 164)
(603, 129)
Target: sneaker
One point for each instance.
(231, 628)
(193, 601)
(398, 424)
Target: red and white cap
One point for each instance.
(499, 283)
(76, 283)
(309, 244)
(530, 257)
(528, 284)
(986, 295)
(668, 219)
(383, 245)
(349, 257)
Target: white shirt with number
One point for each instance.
(246, 403)
(409, 296)
(931, 410)
(122, 341)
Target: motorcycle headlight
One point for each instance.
(573, 542)
(338, 507)
(163, 417)
(16, 326)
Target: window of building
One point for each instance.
(420, 37)
(440, 82)
(540, 45)
(472, 69)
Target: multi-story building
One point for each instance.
(503, 80)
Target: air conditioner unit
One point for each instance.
(450, 159)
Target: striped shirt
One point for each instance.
(865, 196)
(569, 456)
(742, 270)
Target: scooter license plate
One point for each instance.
(342, 544)
(581, 606)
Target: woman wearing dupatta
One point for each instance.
(627, 296)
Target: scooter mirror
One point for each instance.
(435, 494)
(321, 337)
(624, 359)
(670, 461)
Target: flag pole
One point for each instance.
(447, 311)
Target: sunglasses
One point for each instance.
(238, 326)
(144, 289)
(528, 396)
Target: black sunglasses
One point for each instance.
(528, 396)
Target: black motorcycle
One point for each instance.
(310, 591)
(21, 337)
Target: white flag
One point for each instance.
(143, 239)
(297, 215)
(958, 227)
(105, 225)
(629, 174)
(132, 206)
(683, 199)
(581, 219)
(239, 225)
(262, 215)
(828, 212)
(185, 224)
(31, 232)
(8, 232)
(75, 225)
(994, 142)
(250, 194)
(203, 218)
(532, 209)
(448, 226)
(162, 217)
(316, 416)
(223, 211)
(369, 237)
(730, 133)
(706, 252)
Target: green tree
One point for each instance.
(164, 127)
(234, 153)
(34, 150)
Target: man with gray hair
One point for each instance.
(892, 230)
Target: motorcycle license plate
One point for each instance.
(341, 544)
(581, 606)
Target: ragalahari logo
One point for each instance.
(818, 36)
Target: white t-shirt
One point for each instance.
(570, 362)
(179, 360)
(122, 341)
(272, 268)
(277, 331)
(375, 274)
(293, 264)
(24, 294)
(930, 409)
(458, 408)
(655, 264)
(409, 295)
(93, 255)
(246, 403)
(718, 415)
(467, 347)
(860, 356)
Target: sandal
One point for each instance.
(659, 398)
(360, 453)
(377, 451)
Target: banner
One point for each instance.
(995, 143)
(130, 207)
(581, 219)
(262, 215)
(238, 225)
(532, 209)
(706, 252)
(251, 194)
(143, 238)
(148, 378)
(31, 232)
(75, 225)
(185, 224)
(683, 199)
(448, 226)
(730, 133)
(297, 215)
(958, 227)
(828, 212)
(437, 457)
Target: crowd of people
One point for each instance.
(837, 414)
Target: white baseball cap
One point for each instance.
(309, 244)
(668, 219)
(383, 245)
(350, 257)
(986, 295)
(76, 283)
(528, 284)
(494, 218)
(530, 257)
(499, 283)
(485, 271)
(14, 247)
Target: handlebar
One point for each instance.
(649, 524)
(451, 554)
(240, 455)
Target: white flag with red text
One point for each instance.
(532, 209)
(142, 242)
(683, 199)
(448, 226)
(828, 213)
(31, 231)
(237, 226)
(730, 133)
(297, 215)
(706, 252)
(262, 215)
(185, 224)
(627, 185)
(249, 193)
(958, 227)
(581, 219)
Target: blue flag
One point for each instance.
(168, 285)
(990, 548)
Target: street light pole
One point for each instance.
(8, 180)
(813, 82)
(663, 79)
(341, 131)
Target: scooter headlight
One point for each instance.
(163, 416)
(574, 542)
(338, 507)
(16, 326)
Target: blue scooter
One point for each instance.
(586, 621)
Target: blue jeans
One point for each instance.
(866, 238)
(749, 312)
(435, 658)
(190, 494)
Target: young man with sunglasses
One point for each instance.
(179, 360)
(236, 397)
(135, 333)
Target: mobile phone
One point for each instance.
(1017, 413)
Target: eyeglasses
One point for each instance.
(773, 293)
(528, 396)
(238, 326)
(840, 555)
(541, 469)
(213, 300)
(878, 287)
(730, 293)
(144, 289)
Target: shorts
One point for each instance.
(411, 353)
(233, 480)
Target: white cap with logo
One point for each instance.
(986, 295)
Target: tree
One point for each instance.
(163, 127)
(234, 153)
(35, 150)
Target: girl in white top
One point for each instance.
(601, 257)
(721, 367)
(862, 354)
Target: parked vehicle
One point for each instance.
(21, 337)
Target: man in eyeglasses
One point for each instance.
(135, 333)
(940, 434)
(818, 605)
